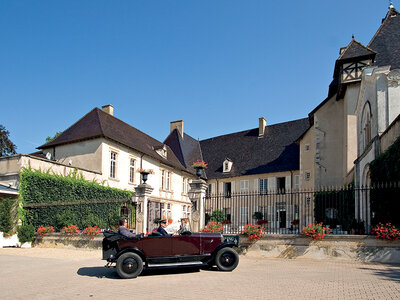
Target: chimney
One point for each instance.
(261, 126)
(108, 109)
(178, 125)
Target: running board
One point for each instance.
(177, 264)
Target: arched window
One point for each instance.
(366, 125)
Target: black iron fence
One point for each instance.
(349, 210)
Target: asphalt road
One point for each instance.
(74, 274)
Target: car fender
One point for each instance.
(131, 249)
(221, 246)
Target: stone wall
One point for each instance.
(342, 247)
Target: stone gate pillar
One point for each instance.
(197, 194)
(143, 191)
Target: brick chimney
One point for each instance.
(178, 125)
(108, 109)
(262, 123)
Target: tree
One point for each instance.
(49, 138)
(6, 146)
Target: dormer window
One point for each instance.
(227, 165)
(162, 151)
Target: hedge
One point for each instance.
(55, 200)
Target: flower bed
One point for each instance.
(253, 232)
(386, 232)
(213, 226)
(43, 230)
(315, 232)
(70, 229)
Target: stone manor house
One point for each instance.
(357, 121)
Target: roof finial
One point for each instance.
(352, 36)
(391, 5)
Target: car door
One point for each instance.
(160, 246)
(185, 245)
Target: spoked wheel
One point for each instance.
(129, 265)
(226, 259)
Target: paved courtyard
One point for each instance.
(41, 273)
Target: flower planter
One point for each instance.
(11, 241)
(144, 176)
(199, 171)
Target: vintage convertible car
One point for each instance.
(153, 251)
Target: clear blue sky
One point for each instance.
(218, 65)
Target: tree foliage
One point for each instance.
(49, 138)
(6, 146)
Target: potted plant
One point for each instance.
(199, 166)
(26, 235)
(145, 173)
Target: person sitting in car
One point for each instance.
(123, 230)
(184, 226)
(161, 230)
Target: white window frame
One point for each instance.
(263, 185)
(168, 182)
(132, 170)
(244, 186)
(296, 183)
(162, 179)
(113, 164)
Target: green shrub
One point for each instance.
(26, 233)
(217, 215)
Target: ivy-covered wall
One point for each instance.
(385, 174)
(386, 167)
(54, 200)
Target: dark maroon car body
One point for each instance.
(191, 249)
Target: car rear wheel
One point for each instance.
(226, 259)
(129, 265)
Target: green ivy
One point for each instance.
(385, 170)
(55, 200)
(8, 215)
(386, 167)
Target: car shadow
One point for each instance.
(169, 271)
(111, 273)
(99, 272)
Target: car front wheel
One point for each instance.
(129, 265)
(226, 259)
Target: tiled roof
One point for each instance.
(98, 123)
(186, 149)
(276, 151)
(386, 41)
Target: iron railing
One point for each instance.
(348, 210)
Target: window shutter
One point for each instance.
(288, 183)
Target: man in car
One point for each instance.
(161, 230)
(123, 230)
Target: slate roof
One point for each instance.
(186, 149)
(354, 50)
(276, 151)
(99, 124)
(386, 41)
